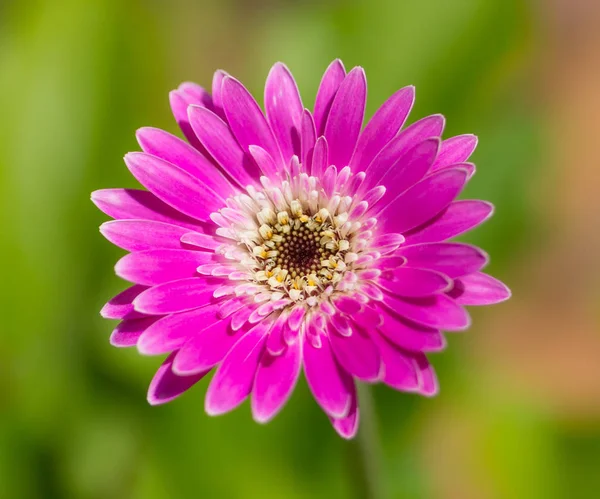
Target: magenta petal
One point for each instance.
(347, 304)
(329, 383)
(382, 127)
(141, 235)
(357, 354)
(174, 186)
(458, 218)
(173, 331)
(409, 169)
(217, 95)
(479, 289)
(203, 241)
(428, 383)
(455, 150)
(405, 281)
(141, 205)
(121, 306)
(388, 242)
(345, 117)
(410, 335)
(332, 79)
(154, 267)
(369, 317)
(275, 380)
(172, 149)
(265, 162)
(399, 368)
(175, 296)
(128, 332)
(219, 141)
(429, 127)
(207, 348)
(234, 378)
(246, 119)
(308, 137)
(283, 106)
(470, 167)
(166, 386)
(452, 259)
(347, 427)
(320, 158)
(436, 311)
(423, 200)
(180, 99)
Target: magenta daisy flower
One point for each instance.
(293, 241)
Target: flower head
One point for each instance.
(295, 240)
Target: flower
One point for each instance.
(293, 240)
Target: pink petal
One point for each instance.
(308, 139)
(347, 427)
(479, 289)
(345, 117)
(234, 378)
(283, 107)
(458, 218)
(172, 149)
(140, 235)
(347, 304)
(296, 317)
(405, 281)
(320, 158)
(166, 386)
(121, 306)
(399, 368)
(138, 204)
(180, 99)
(176, 296)
(207, 348)
(409, 169)
(428, 383)
(332, 79)
(455, 150)
(410, 335)
(217, 96)
(382, 127)
(330, 385)
(369, 317)
(423, 200)
(246, 119)
(154, 267)
(275, 380)
(388, 242)
(174, 186)
(357, 354)
(202, 241)
(219, 141)
(429, 127)
(128, 332)
(452, 259)
(173, 331)
(436, 311)
(265, 162)
(470, 167)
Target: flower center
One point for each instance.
(293, 240)
(300, 252)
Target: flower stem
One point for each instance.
(367, 459)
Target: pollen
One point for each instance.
(294, 247)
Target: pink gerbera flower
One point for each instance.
(293, 240)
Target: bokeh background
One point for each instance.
(518, 415)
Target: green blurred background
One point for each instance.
(518, 415)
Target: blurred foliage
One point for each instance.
(76, 80)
